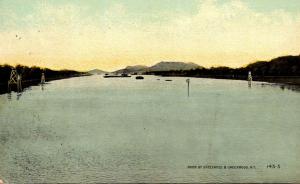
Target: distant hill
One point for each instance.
(97, 71)
(161, 66)
(281, 66)
(132, 69)
(285, 69)
(170, 65)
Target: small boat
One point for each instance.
(168, 80)
(116, 76)
(125, 75)
(139, 77)
(111, 76)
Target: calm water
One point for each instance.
(91, 129)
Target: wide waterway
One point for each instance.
(94, 129)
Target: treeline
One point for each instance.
(32, 75)
(286, 67)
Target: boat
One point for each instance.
(117, 76)
(168, 80)
(139, 77)
(125, 75)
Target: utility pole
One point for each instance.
(15, 79)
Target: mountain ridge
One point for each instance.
(97, 71)
(132, 69)
(160, 66)
(173, 65)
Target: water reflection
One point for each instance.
(283, 87)
(9, 96)
(11, 91)
(19, 95)
(42, 86)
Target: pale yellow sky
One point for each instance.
(65, 36)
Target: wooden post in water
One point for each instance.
(43, 78)
(249, 79)
(19, 85)
(188, 86)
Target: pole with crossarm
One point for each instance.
(15, 79)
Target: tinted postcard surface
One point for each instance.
(136, 91)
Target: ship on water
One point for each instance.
(117, 76)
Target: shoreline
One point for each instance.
(289, 82)
(34, 82)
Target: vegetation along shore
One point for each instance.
(32, 75)
(285, 70)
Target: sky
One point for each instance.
(112, 34)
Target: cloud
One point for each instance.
(233, 27)
(218, 34)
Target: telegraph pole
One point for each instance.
(15, 79)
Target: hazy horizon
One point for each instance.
(110, 35)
